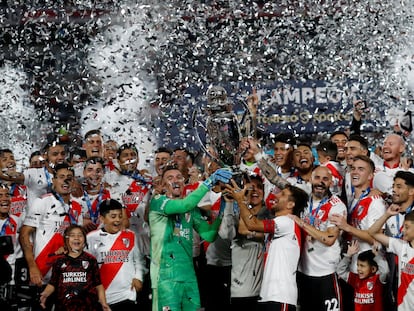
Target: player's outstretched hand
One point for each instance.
(221, 175)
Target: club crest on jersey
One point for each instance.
(126, 242)
(360, 210)
(321, 213)
(85, 264)
(370, 285)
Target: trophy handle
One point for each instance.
(247, 116)
(197, 123)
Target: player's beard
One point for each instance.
(318, 192)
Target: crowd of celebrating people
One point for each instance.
(94, 232)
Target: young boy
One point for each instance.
(405, 250)
(75, 277)
(367, 283)
(121, 263)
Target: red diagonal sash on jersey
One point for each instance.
(335, 173)
(407, 278)
(109, 269)
(47, 257)
(137, 194)
(298, 235)
(360, 213)
(105, 195)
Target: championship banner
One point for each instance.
(303, 107)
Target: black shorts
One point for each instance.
(275, 306)
(319, 293)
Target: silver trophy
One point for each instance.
(223, 129)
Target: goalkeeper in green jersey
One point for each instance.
(172, 220)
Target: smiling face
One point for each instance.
(401, 192)
(364, 269)
(7, 162)
(408, 231)
(361, 174)
(256, 193)
(340, 140)
(321, 181)
(173, 183)
(75, 240)
(282, 202)
(353, 148)
(283, 154)
(4, 202)
(112, 221)
(303, 159)
(392, 148)
(128, 160)
(93, 146)
(63, 181)
(110, 149)
(161, 159)
(93, 173)
(56, 155)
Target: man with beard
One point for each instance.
(93, 192)
(339, 138)
(317, 281)
(172, 220)
(403, 199)
(303, 162)
(301, 173)
(46, 220)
